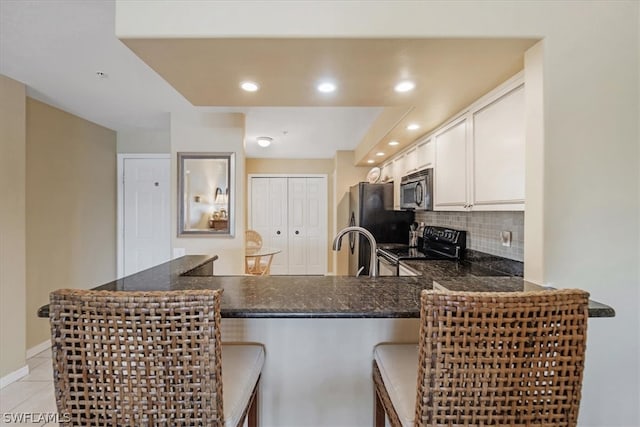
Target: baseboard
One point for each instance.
(38, 348)
(14, 376)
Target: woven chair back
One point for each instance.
(253, 239)
(137, 358)
(501, 358)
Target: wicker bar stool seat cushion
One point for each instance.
(241, 367)
(398, 365)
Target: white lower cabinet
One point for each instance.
(290, 213)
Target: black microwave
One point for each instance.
(416, 191)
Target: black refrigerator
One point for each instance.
(371, 207)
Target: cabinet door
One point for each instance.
(424, 155)
(451, 167)
(386, 172)
(411, 161)
(499, 153)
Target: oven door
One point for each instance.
(387, 266)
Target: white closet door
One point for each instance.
(297, 230)
(316, 226)
(277, 234)
(291, 215)
(269, 217)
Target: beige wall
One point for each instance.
(591, 137)
(12, 226)
(211, 132)
(346, 175)
(144, 141)
(71, 207)
(293, 167)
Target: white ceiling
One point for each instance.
(56, 47)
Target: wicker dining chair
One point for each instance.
(509, 359)
(149, 358)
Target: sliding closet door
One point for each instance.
(295, 221)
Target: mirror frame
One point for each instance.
(230, 158)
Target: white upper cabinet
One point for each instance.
(499, 153)
(480, 156)
(386, 172)
(411, 161)
(451, 171)
(424, 154)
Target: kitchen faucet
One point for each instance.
(337, 243)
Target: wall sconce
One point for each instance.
(220, 197)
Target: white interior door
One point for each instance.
(146, 219)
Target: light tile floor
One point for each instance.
(33, 394)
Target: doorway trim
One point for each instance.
(120, 212)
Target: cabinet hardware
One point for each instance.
(278, 232)
(297, 232)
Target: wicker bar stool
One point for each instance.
(510, 359)
(149, 358)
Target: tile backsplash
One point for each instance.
(483, 229)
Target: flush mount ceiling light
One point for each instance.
(369, 161)
(326, 87)
(249, 86)
(393, 143)
(264, 141)
(413, 126)
(405, 86)
(379, 154)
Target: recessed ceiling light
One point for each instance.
(369, 161)
(326, 87)
(405, 86)
(379, 154)
(102, 75)
(264, 141)
(249, 86)
(413, 126)
(393, 143)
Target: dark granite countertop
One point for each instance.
(325, 296)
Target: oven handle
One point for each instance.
(384, 260)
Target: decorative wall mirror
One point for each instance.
(205, 194)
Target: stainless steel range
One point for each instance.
(438, 243)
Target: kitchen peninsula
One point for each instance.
(319, 331)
